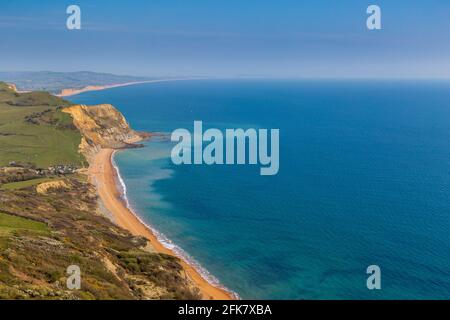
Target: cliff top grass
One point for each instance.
(10, 224)
(34, 130)
(23, 184)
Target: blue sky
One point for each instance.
(278, 38)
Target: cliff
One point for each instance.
(102, 126)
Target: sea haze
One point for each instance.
(364, 179)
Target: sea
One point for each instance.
(364, 180)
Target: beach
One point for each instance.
(71, 92)
(103, 173)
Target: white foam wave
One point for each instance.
(166, 242)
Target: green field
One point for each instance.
(48, 139)
(10, 224)
(23, 184)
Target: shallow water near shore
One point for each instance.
(364, 179)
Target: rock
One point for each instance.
(102, 126)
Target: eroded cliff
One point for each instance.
(102, 126)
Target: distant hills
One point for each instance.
(55, 82)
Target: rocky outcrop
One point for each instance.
(102, 126)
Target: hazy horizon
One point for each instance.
(286, 39)
(260, 77)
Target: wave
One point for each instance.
(164, 240)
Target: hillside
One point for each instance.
(34, 130)
(51, 218)
(42, 233)
(101, 126)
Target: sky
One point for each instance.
(229, 38)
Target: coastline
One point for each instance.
(105, 176)
(72, 92)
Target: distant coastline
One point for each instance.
(71, 92)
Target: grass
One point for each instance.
(10, 224)
(23, 184)
(50, 141)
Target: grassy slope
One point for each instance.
(42, 234)
(42, 144)
(10, 224)
(23, 184)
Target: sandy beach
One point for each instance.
(104, 174)
(72, 92)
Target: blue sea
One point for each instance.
(364, 180)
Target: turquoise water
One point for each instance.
(364, 179)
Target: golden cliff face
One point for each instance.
(101, 126)
(12, 86)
